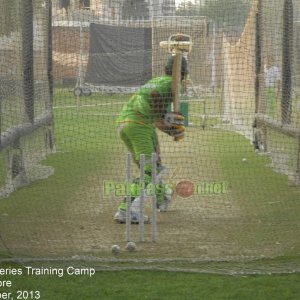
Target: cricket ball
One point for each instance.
(131, 246)
(185, 189)
(115, 249)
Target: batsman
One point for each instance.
(143, 114)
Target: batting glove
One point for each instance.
(173, 119)
(176, 131)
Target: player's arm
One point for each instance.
(159, 109)
(170, 123)
(159, 103)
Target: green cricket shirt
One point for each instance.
(138, 109)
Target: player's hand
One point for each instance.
(173, 119)
(176, 131)
(179, 133)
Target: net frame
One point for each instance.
(282, 122)
(231, 264)
(32, 84)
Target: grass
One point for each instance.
(269, 207)
(265, 208)
(158, 285)
(86, 148)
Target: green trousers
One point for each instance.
(141, 139)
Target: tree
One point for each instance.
(231, 12)
(133, 9)
(187, 8)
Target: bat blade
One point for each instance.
(176, 81)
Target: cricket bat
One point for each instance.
(176, 82)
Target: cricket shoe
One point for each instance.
(135, 218)
(120, 217)
(163, 206)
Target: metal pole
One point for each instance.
(128, 198)
(287, 62)
(154, 200)
(142, 199)
(27, 59)
(213, 58)
(80, 53)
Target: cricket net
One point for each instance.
(26, 94)
(67, 71)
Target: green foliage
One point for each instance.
(188, 8)
(134, 9)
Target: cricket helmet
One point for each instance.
(169, 66)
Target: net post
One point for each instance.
(49, 103)
(142, 199)
(154, 199)
(128, 197)
(27, 48)
(258, 57)
(287, 62)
